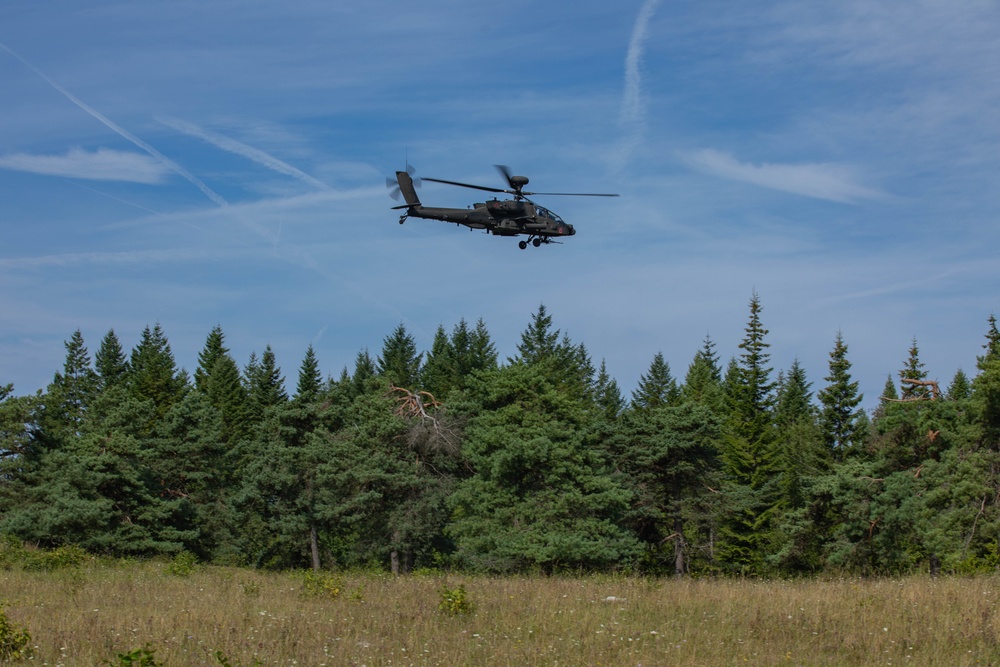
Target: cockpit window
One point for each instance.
(546, 213)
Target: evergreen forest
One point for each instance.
(452, 458)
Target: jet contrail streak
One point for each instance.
(170, 164)
(243, 150)
(632, 115)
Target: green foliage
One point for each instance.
(60, 558)
(533, 465)
(140, 657)
(14, 642)
(182, 565)
(321, 585)
(455, 601)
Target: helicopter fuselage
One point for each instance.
(500, 217)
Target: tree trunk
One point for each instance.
(314, 547)
(679, 547)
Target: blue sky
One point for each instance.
(222, 162)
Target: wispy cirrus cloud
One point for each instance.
(832, 182)
(101, 165)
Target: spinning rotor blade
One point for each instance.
(518, 182)
(571, 194)
(393, 185)
(468, 185)
(506, 173)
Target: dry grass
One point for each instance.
(87, 616)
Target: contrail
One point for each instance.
(170, 164)
(632, 117)
(243, 150)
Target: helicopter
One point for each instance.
(506, 217)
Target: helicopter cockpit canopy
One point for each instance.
(546, 213)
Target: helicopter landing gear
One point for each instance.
(402, 218)
(535, 241)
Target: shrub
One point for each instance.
(140, 657)
(13, 641)
(183, 564)
(316, 584)
(455, 601)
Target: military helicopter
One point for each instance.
(507, 217)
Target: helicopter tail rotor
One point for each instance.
(392, 184)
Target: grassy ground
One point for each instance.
(86, 616)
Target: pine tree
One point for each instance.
(703, 382)
(539, 342)
(153, 372)
(482, 352)
(310, 379)
(959, 389)
(265, 385)
(793, 399)
(110, 362)
(214, 349)
(913, 370)
(399, 363)
(750, 457)
(438, 373)
(841, 416)
(607, 394)
(540, 495)
(70, 393)
(657, 387)
(364, 373)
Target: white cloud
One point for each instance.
(828, 181)
(101, 165)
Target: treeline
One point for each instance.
(453, 458)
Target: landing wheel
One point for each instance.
(522, 244)
(536, 242)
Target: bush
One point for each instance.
(13, 641)
(455, 601)
(59, 558)
(140, 657)
(183, 564)
(316, 584)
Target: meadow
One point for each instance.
(94, 615)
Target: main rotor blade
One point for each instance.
(571, 194)
(467, 185)
(506, 173)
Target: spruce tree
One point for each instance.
(310, 379)
(913, 370)
(959, 389)
(749, 455)
(607, 394)
(703, 382)
(657, 387)
(214, 349)
(399, 363)
(841, 417)
(153, 373)
(265, 384)
(70, 393)
(110, 362)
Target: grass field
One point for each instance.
(89, 615)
